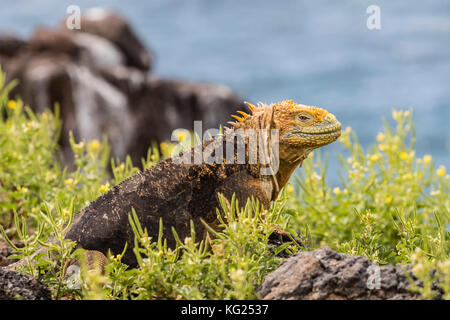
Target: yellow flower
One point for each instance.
(182, 135)
(12, 104)
(380, 137)
(94, 145)
(65, 212)
(164, 146)
(427, 159)
(403, 155)
(336, 190)
(104, 188)
(22, 189)
(69, 182)
(290, 189)
(382, 147)
(441, 171)
(375, 157)
(396, 114)
(408, 176)
(388, 199)
(153, 157)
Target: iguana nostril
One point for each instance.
(330, 117)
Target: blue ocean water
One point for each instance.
(314, 52)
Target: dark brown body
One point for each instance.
(177, 193)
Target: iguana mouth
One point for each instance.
(325, 133)
(330, 131)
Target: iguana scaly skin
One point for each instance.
(178, 193)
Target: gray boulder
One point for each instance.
(324, 274)
(18, 286)
(99, 77)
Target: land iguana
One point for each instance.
(181, 192)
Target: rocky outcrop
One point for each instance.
(18, 286)
(99, 77)
(325, 274)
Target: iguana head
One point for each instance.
(301, 129)
(299, 126)
(305, 126)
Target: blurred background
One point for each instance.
(314, 52)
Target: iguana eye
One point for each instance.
(303, 117)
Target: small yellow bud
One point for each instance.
(337, 191)
(348, 130)
(403, 155)
(441, 171)
(396, 114)
(290, 189)
(94, 145)
(69, 182)
(104, 188)
(408, 176)
(12, 104)
(22, 189)
(182, 136)
(427, 159)
(388, 199)
(380, 137)
(374, 157)
(382, 147)
(65, 212)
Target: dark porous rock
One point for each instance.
(10, 44)
(98, 76)
(113, 27)
(18, 286)
(324, 274)
(178, 104)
